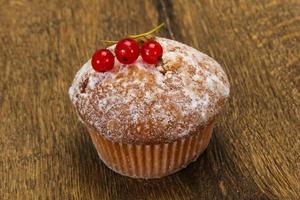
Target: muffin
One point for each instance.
(149, 121)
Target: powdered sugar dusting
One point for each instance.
(141, 103)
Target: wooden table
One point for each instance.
(45, 152)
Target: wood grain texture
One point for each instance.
(45, 152)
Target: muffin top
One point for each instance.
(142, 103)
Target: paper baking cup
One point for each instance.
(151, 161)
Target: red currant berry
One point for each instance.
(127, 51)
(151, 52)
(103, 60)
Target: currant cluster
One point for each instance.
(127, 51)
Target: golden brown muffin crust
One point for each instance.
(145, 104)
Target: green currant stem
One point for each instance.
(147, 33)
(139, 36)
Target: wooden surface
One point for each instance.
(45, 152)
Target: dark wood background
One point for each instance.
(45, 153)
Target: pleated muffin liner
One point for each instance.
(151, 161)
